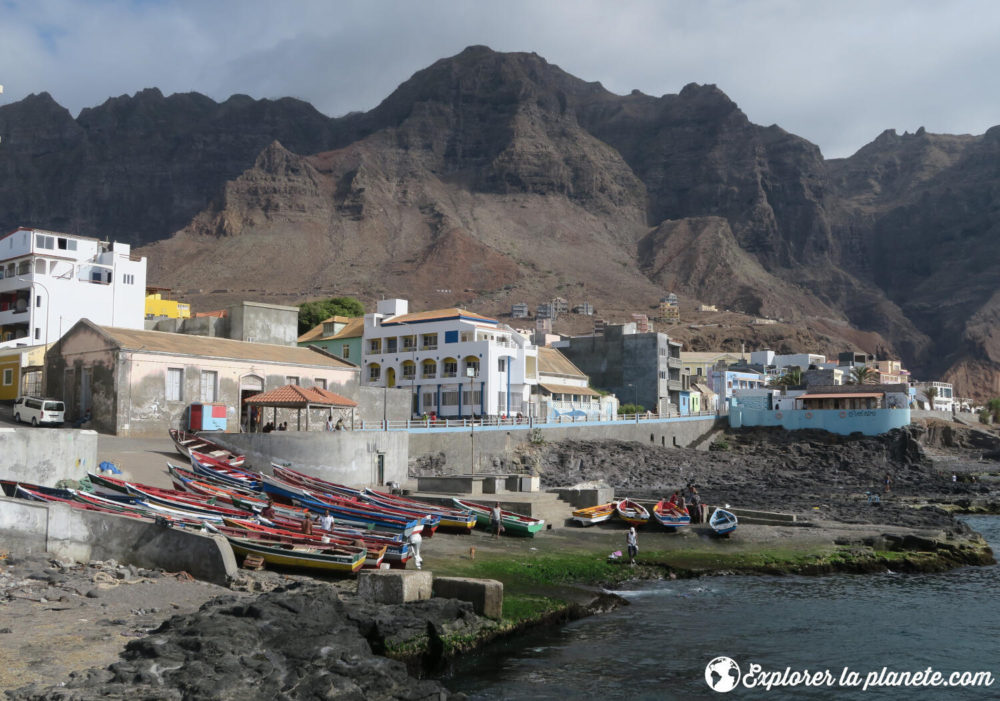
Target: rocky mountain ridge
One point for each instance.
(491, 178)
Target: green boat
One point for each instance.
(513, 524)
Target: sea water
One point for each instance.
(660, 645)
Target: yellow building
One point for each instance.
(156, 306)
(21, 371)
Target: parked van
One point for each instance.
(35, 411)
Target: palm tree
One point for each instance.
(863, 375)
(931, 393)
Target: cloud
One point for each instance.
(835, 73)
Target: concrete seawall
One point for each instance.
(46, 455)
(82, 536)
(490, 441)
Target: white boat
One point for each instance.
(723, 522)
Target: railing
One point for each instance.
(490, 422)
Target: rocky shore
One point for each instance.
(280, 635)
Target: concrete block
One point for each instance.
(530, 483)
(485, 595)
(394, 586)
(584, 498)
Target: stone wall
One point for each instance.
(82, 536)
(345, 457)
(46, 455)
(490, 441)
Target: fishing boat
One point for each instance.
(186, 442)
(594, 514)
(374, 551)
(513, 524)
(222, 472)
(668, 514)
(300, 556)
(632, 512)
(723, 522)
(450, 519)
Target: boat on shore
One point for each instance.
(514, 524)
(632, 512)
(594, 514)
(300, 556)
(185, 442)
(670, 515)
(723, 522)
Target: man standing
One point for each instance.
(632, 540)
(496, 520)
(329, 422)
(326, 521)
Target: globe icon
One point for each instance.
(722, 674)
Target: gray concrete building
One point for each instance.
(252, 322)
(642, 368)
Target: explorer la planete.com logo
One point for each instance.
(722, 674)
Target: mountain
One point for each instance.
(490, 178)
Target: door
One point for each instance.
(380, 469)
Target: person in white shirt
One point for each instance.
(326, 521)
(415, 540)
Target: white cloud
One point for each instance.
(836, 73)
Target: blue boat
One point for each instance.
(723, 522)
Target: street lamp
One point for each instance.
(471, 372)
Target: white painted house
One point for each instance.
(456, 362)
(49, 281)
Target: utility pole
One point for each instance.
(471, 372)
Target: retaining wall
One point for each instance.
(345, 457)
(490, 441)
(46, 455)
(82, 536)
(868, 422)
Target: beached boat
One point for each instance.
(186, 442)
(300, 556)
(224, 473)
(723, 522)
(450, 519)
(632, 512)
(513, 524)
(240, 528)
(670, 515)
(594, 514)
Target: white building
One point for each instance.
(944, 396)
(458, 363)
(49, 281)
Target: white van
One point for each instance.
(35, 411)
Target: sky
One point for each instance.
(837, 73)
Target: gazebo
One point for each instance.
(299, 398)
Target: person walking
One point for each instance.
(415, 540)
(632, 541)
(887, 483)
(496, 520)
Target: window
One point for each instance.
(429, 341)
(8, 376)
(451, 336)
(345, 351)
(175, 380)
(474, 397)
(502, 365)
(45, 241)
(209, 382)
(374, 372)
(428, 399)
(472, 363)
(409, 371)
(38, 333)
(663, 374)
(428, 368)
(409, 343)
(38, 300)
(450, 368)
(320, 382)
(390, 345)
(128, 279)
(66, 244)
(450, 398)
(291, 380)
(375, 345)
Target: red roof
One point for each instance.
(295, 396)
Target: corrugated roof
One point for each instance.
(552, 362)
(213, 347)
(703, 388)
(568, 389)
(301, 397)
(438, 315)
